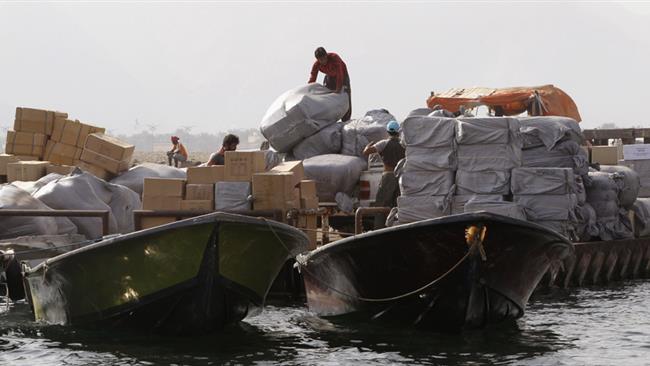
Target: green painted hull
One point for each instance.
(191, 276)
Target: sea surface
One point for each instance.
(590, 326)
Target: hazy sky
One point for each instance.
(218, 66)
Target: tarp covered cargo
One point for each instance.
(416, 208)
(498, 206)
(300, 113)
(430, 183)
(356, 134)
(334, 173)
(534, 181)
(548, 131)
(325, 141)
(545, 100)
(134, 177)
(429, 132)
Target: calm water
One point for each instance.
(595, 326)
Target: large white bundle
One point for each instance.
(437, 158)
(134, 177)
(499, 207)
(334, 173)
(86, 192)
(300, 113)
(356, 134)
(417, 208)
(485, 182)
(32, 187)
(429, 132)
(325, 141)
(232, 196)
(458, 202)
(484, 157)
(642, 217)
(545, 207)
(547, 131)
(12, 197)
(565, 154)
(488, 130)
(630, 186)
(429, 183)
(603, 195)
(543, 181)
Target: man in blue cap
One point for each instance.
(391, 152)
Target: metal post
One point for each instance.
(362, 211)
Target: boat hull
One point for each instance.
(386, 275)
(192, 276)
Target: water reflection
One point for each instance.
(593, 326)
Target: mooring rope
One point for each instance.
(475, 241)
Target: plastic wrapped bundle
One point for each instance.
(485, 157)
(232, 196)
(300, 113)
(565, 154)
(536, 181)
(431, 159)
(603, 195)
(429, 132)
(484, 182)
(429, 183)
(642, 217)
(356, 134)
(417, 208)
(586, 227)
(642, 168)
(488, 130)
(630, 184)
(334, 173)
(325, 141)
(547, 131)
(458, 202)
(547, 207)
(500, 207)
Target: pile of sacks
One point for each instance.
(612, 194)
(426, 176)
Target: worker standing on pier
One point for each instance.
(391, 152)
(178, 154)
(336, 75)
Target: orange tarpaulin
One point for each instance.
(544, 100)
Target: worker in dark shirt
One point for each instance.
(336, 75)
(391, 152)
(230, 143)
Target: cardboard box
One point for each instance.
(36, 120)
(294, 167)
(149, 222)
(606, 155)
(26, 170)
(199, 191)
(99, 172)
(104, 162)
(167, 187)
(308, 189)
(9, 158)
(241, 165)
(109, 146)
(205, 175)
(72, 132)
(59, 169)
(161, 203)
(197, 205)
(636, 152)
(25, 143)
(60, 153)
(273, 190)
(309, 203)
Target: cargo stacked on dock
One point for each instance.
(603, 194)
(426, 175)
(488, 149)
(67, 141)
(106, 156)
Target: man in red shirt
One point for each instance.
(336, 75)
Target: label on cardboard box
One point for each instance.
(109, 146)
(167, 187)
(199, 191)
(636, 152)
(241, 165)
(105, 162)
(205, 175)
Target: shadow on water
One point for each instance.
(281, 335)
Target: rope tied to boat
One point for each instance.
(476, 244)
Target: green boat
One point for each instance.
(190, 276)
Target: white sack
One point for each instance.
(484, 157)
(325, 141)
(334, 173)
(488, 130)
(543, 181)
(547, 131)
(548, 207)
(429, 183)
(437, 158)
(630, 184)
(429, 132)
(565, 154)
(300, 113)
(485, 182)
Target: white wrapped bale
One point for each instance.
(429, 132)
(433, 159)
(325, 141)
(356, 134)
(548, 207)
(300, 113)
(334, 173)
(603, 195)
(547, 131)
(630, 184)
(458, 202)
(534, 181)
(484, 182)
(565, 154)
(499, 207)
(486, 157)
(232, 196)
(429, 183)
(488, 130)
(417, 208)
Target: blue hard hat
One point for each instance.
(392, 126)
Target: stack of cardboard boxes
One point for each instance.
(105, 156)
(67, 141)
(161, 194)
(199, 191)
(6, 159)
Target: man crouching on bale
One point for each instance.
(391, 152)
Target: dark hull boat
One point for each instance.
(191, 276)
(432, 275)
